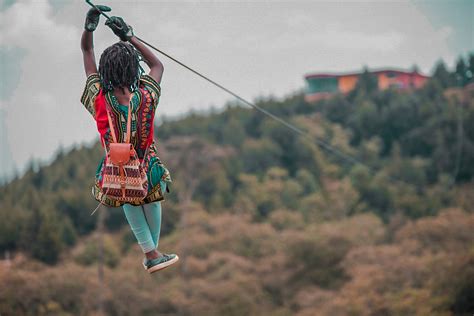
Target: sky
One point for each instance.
(255, 48)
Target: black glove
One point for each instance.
(120, 28)
(92, 18)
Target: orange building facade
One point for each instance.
(320, 86)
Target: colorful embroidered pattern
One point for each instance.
(135, 183)
(90, 92)
(144, 104)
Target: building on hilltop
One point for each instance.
(323, 85)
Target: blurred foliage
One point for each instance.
(90, 252)
(265, 222)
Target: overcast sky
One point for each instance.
(253, 48)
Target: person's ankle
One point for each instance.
(152, 254)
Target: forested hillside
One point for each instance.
(266, 222)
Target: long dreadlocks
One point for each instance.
(119, 67)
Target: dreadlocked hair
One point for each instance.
(119, 67)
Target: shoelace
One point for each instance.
(164, 255)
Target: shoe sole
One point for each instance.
(163, 265)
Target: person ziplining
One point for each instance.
(121, 98)
(320, 142)
(123, 101)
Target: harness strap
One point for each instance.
(129, 121)
(122, 172)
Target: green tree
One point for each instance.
(258, 155)
(461, 73)
(366, 84)
(44, 235)
(233, 133)
(442, 75)
(11, 225)
(471, 67)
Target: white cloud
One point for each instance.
(43, 110)
(350, 40)
(253, 48)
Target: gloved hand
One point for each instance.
(120, 28)
(92, 18)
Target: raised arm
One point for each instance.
(87, 39)
(156, 67)
(125, 32)
(87, 47)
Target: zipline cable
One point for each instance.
(258, 108)
(292, 127)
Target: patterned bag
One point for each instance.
(123, 177)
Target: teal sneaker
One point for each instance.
(153, 265)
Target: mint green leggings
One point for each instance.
(145, 222)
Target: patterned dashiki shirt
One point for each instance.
(144, 103)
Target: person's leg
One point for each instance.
(153, 218)
(136, 219)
